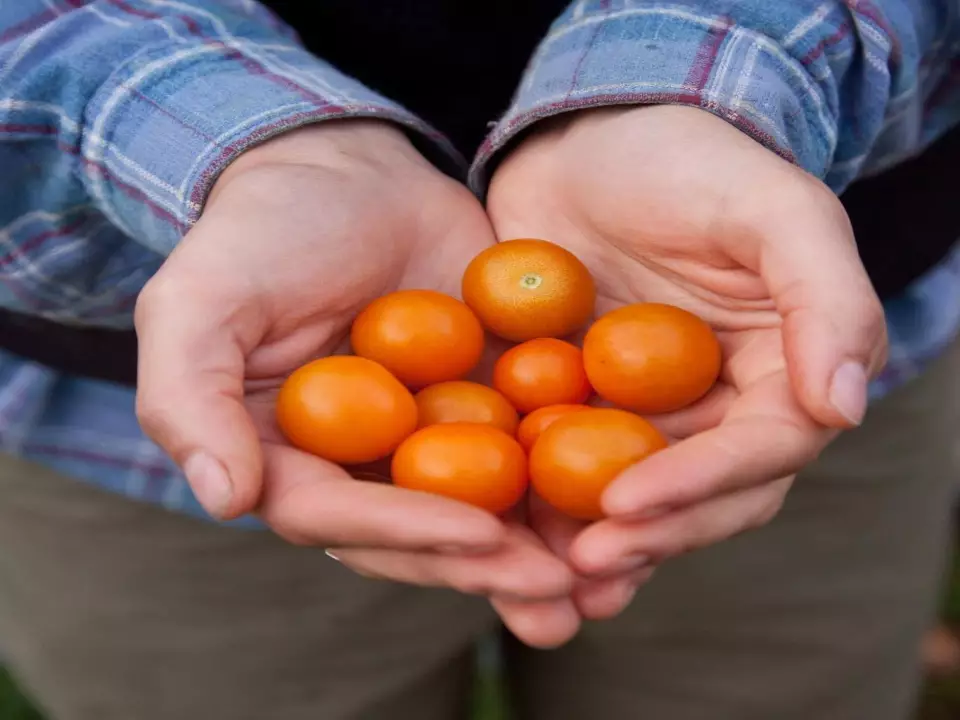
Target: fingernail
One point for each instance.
(210, 483)
(330, 554)
(848, 391)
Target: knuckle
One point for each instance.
(153, 414)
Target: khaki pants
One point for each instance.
(110, 610)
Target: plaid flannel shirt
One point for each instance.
(117, 115)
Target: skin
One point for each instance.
(286, 253)
(674, 205)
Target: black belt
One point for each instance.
(905, 220)
(88, 352)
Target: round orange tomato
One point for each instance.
(542, 372)
(536, 422)
(579, 455)
(463, 401)
(421, 336)
(524, 289)
(651, 358)
(475, 464)
(346, 409)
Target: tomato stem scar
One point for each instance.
(531, 281)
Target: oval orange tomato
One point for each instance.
(533, 425)
(475, 464)
(346, 409)
(463, 401)
(524, 289)
(651, 358)
(579, 455)
(421, 336)
(542, 372)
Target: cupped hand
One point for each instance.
(674, 205)
(298, 235)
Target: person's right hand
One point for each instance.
(297, 237)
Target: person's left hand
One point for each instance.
(674, 205)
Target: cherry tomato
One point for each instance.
(345, 409)
(475, 464)
(536, 422)
(579, 455)
(542, 372)
(651, 358)
(421, 336)
(469, 402)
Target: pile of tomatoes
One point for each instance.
(466, 440)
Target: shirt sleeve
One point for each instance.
(839, 87)
(116, 117)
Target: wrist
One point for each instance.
(332, 144)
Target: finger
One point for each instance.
(595, 599)
(547, 623)
(607, 545)
(699, 417)
(543, 625)
(190, 396)
(519, 569)
(833, 323)
(765, 436)
(606, 598)
(309, 501)
(556, 530)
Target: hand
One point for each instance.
(675, 205)
(298, 235)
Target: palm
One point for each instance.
(672, 205)
(328, 291)
(644, 240)
(338, 255)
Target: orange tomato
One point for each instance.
(475, 464)
(536, 422)
(651, 358)
(421, 336)
(542, 372)
(524, 289)
(469, 402)
(579, 455)
(346, 409)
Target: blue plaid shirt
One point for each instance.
(117, 115)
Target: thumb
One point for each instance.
(834, 330)
(190, 397)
